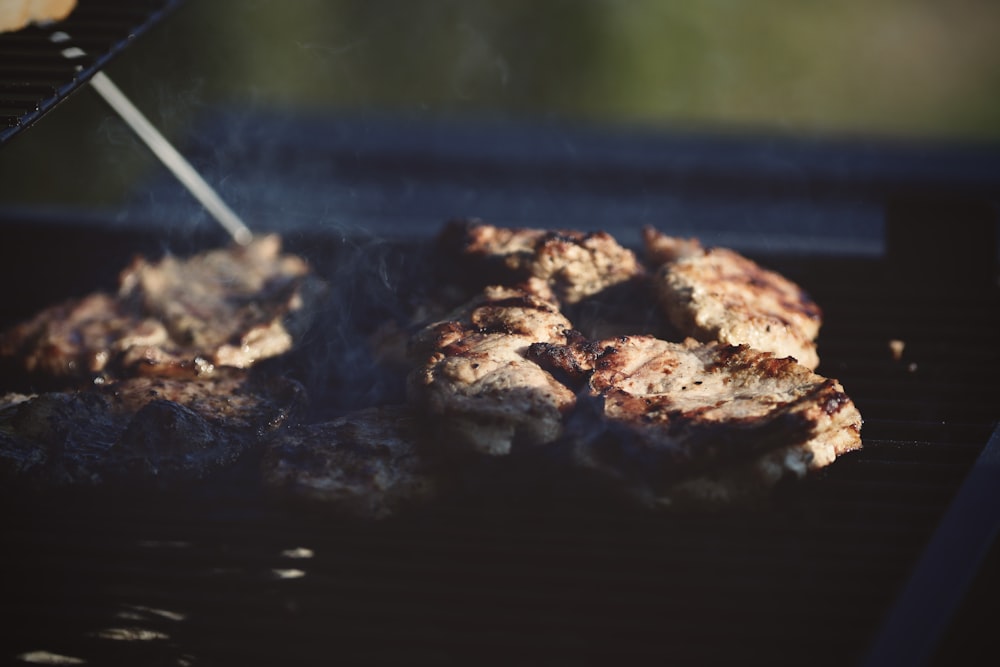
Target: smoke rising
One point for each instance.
(353, 354)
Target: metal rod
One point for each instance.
(162, 148)
(173, 160)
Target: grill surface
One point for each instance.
(225, 578)
(35, 75)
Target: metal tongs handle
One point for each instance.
(163, 149)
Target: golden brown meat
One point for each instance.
(708, 423)
(475, 381)
(566, 265)
(233, 306)
(174, 317)
(717, 294)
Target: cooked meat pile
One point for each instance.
(175, 317)
(149, 385)
(673, 422)
(168, 396)
(717, 294)
(141, 431)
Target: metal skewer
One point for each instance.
(163, 149)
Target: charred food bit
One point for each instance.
(566, 265)
(717, 294)
(175, 317)
(475, 382)
(708, 423)
(140, 431)
(365, 464)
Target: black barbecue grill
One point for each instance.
(36, 74)
(888, 556)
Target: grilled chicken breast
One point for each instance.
(717, 294)
(175, 317)
(140, 431)
(366, 464)
(707, 423)
(475, 381)
(232, 306)
(566, 265)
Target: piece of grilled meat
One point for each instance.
(566, 265)
(717, 294)
(175, 317)
(140, 431)
(366, 464)
(682, 423)
(474, 380)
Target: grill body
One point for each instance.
(896, 243)
(219, 576)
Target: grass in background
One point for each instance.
(908, 69)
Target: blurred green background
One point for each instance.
(912, 70)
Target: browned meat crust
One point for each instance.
(670, 423)
(717, 294)
(565, 265)
(660, 248)
(571, 361)
(175, 317)
(475, 381)
(140, 431)
(366, 464)
(709, 423)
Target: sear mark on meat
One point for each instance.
(717, 294)
(140, 431)
(497, 310)
(175, 317)
(474, 378)
(565, 265)
(709, 423)
(570, 362)
(366, 464)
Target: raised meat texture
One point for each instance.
(140, 431)
(175, 317)
(565, 265)
(232, 306)
(366, 464)
(708, 423)
(78, 338)
(475, 382)
(717, 294)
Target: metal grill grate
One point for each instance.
(233, 580)
(35, 75)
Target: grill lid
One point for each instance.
(37, 72)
